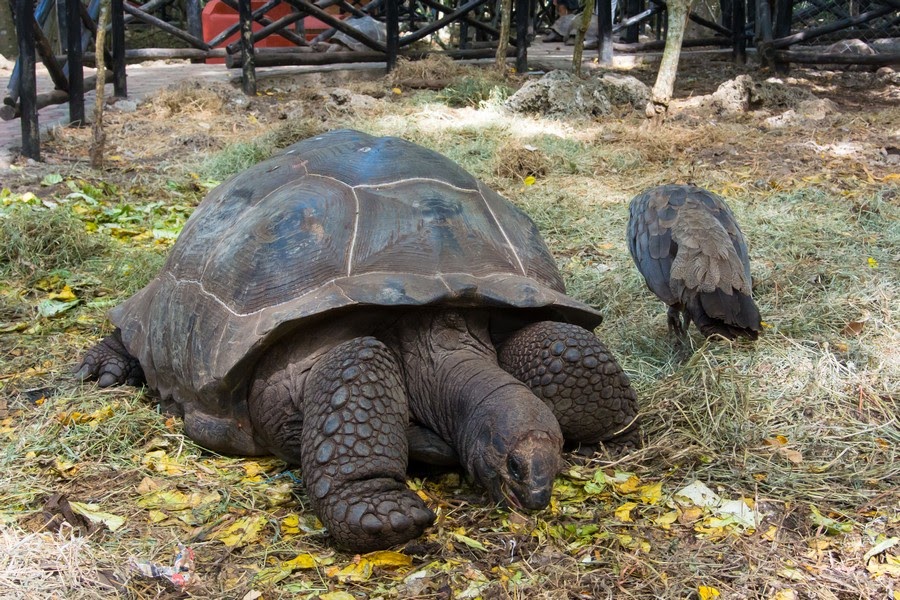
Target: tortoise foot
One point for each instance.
(354, 449)
(577, 376)
(110, 364)
(375, 514)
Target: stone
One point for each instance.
(560, 93)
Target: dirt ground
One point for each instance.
(769, 469)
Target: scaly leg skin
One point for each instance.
(574, 373)
(677, 325)
(354, 458)
(110, 363)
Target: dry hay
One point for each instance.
(434, 67)
(516, 161)
(39, 566)
(190, 98)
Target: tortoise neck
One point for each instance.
(457, 388)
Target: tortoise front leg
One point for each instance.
(575, 374)
(350, 421)
(110, 363)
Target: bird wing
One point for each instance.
(651, 216)
(712, 253)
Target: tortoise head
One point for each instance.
(517, 461)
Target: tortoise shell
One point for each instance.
(345, 221)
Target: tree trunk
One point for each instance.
(505, 20)
(661, 94)
(580, 31)
(98, 136)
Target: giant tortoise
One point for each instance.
(354, 302)
(688, 246)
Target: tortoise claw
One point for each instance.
(110, 364)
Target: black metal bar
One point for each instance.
(148, 7)
(434, 26)
(739, 36)
(117, 22)
(337, 24)
(45, 51)
(170, 29)
(349, 8)
(269, 26)
(782, 28)
(604, 32)
(467, 20)
(367, 9)
(258, 15)
(31, 133)
(248, 62)
(522, 19)
(392, 12)
(75, 63)
(463, 34)
(815, 32)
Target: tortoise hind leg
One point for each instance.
(347, 426)
(110, 363)
(575, 374)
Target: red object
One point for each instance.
(217, 17)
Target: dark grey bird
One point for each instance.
(687, 245)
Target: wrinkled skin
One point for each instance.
(432, 386)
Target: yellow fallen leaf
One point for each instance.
(161, 462)
(629, 486)
(777, 440)
(337, 596)
(290, 525)
(666, 519)
(890, 566)
(651, 494)
(388, 559)
(93, 514)
(872, 262)
(623, 513)
(397, 91)
(690, 514)
(66, 295)
(706, 592)
(786, 594)
(529, 181)
(358, 570)
(241, 532)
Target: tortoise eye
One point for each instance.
(516, 468)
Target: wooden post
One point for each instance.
(783, 14)
(604, 33)
(31, 133)
(392, 14)
(763, 31)
(739, 38)
(117, 20)
(505, 7)
(194, 23)
(248, 64)
(522, 18)
(632, 8)
(75, 63)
